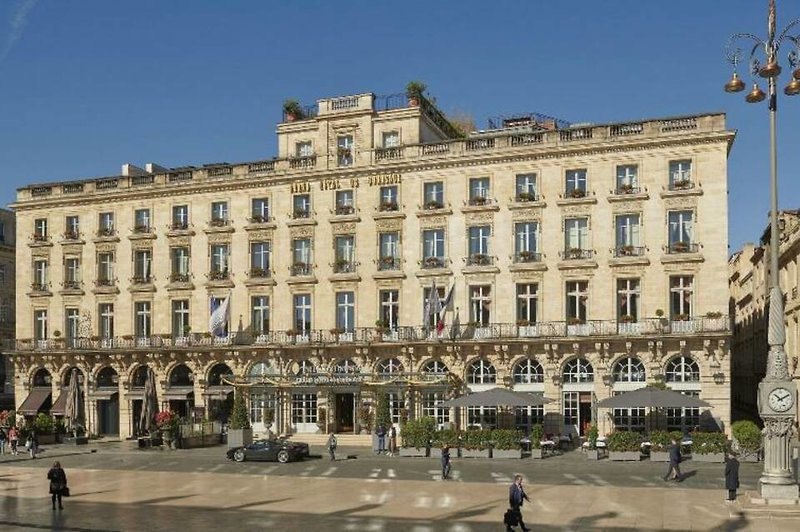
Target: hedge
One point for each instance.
(709, 442)
(660, 440)
(624, 440)
(747, 436)
(418, 433)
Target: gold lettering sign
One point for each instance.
(385, 179)
(300, 188)
(329, 184)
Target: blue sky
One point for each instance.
(86, 86)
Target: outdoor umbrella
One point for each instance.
(73, 410)
(147, 420)
(497, 397)
(652, 397)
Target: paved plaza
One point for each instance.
(120, 488)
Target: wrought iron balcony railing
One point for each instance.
(344, 266)
(527, 256)
(577, 254)
(389, 264)
(629, 251)
(479, 259)
(683, 247)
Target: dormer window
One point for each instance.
(391, 139)
(304, 149)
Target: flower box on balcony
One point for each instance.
(627, 251)
(681, 184)
(478, 201)
(574, 253)
(433, 262)
(141, 229)
(479, 259)
(258, 219)
(70, 235)
(300, 213)
(527, 256)
(388, 263)
(218, 222)
(432, 205)
(526, 196)
(344, 210)
(258, 273)
(679, 247)
(388, 206)
(577, 193)
(218, 275)
(627, 318)
(626, 189)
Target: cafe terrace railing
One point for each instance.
(403, 334)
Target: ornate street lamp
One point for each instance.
(777, 391)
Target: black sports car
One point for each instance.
(270, 451)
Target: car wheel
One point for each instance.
(238, 455)
(283, 456)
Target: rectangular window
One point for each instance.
(71, 322)
(478, 191)
(484, 417)
(72, 273)
(345, 203)
(628, 229)
(180, 217)
(219, 213)
(301, 204)
(142, 266)
(105, 268)
(180, 318)
(259, 403)
(302, 313)
(40, 229)
(628, 296)
(433, 248)
(389, 199)
(260, 259)
(220, 260)
(627, 179)
(577, 299)
(304, 149)
(344, 254)
(259, 315)
(304, 408)
(301, 256)
(391, 139)
(40, 324)
(526, 187)
(431, 319)
(526, 242)
(576, 234)
(388, 251)
(345, 311)
(259, 210)
(681, 231)
(141, 218)
(575, 184)
(142, 325)
(345, 150)
(180, 264)
(433, 195)
(480, 303)
(72, 228)
(681, 294)
(479, 246)
(680, 175)
(40, 277)
(390, 308)
(527, 416)
(106, 224)
(106, 313)
(527, 299)
(431, 408)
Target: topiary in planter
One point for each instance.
(240, 417)
(418, 433)
(747, 436)
(537, 434)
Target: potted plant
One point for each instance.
(478, 200)
(167, 422)
(625, 445)
(44, 424)
(292, 110)
(506, 443)
(680, 247)
(592, 453)
(431, 205)
(380, 326)
(627, 318)
(475, 444)
(537, 435)
(416, 436)
(709, 446)
(365, 418)
(526, 196)
(577, 193)
(322, 419)
(388, 206)
(746, 440)
(414, 91)
(434, 262)
(680, 184)
(239, 431)
(269, 418)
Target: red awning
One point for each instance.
(33, 403)
(60, 406)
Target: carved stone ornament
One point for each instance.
(302, 231)
(632, 269)
(778, 427)
(680, 267)
(680, 203)
(388, 225)
(105, 247)
(182, 240)
(40, 253)
(711, 353)
(142, 245)
(433, 222)
(527, 275)
(343, 229)
(626, 207)
(479, 217)
(533, 214)
(260, 235)
(580, 210)
(219, 238)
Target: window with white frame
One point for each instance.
(141, 218)
(578, 370)
(576, 235)
(142, 265)
(627, 179)
(577, 301)
(433, 253)
(628, 233)
(106, 223)
(391, 139)
(528, 371)
(40, 324)
(72, 227)
(219, 213)
(344, 252)
(632, 419)
(684, 419)
(680, 174)
(40, 277)
(431, 408)
(345, 311)
(479, 243)
(259, 210)
(260, 259)
(526, 187)
(396, 403)
(482, 416)
(432, 319)
(180, 216)
(527, 416)
(345, 202)
(345, 150)
(433, 195)
(304, 149)
(388, 250)
(526, 241)
(681, 291)
(260, 402)
(478, 190)
(259, 315)
(682, 369)
(142, 323)
(180, 264)
(628, 296)
(304, 408)
(72, 272)
(106, 325)
(301, 251)
(220, 259)
(388, 198)
(390, 308)
(40, 229)
(681, 230)
(71, 324)
(302, 313)
(629, 369)
(527, 303)
(480, 304)
(180, 318)
(301, 204)
(105, 268)
(481, 371)
(435, 367)
(389, 368)
(575, 186)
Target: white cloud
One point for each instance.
(18, 22)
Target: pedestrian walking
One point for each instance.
(445, 462)
(674, 470)
(3, 440)
(332, 446)
(731, 476)
(13, 440)
(516, 497)
(392, 441)
(32, 443)
(58, 484)
(380, 432)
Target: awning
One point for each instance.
(102, 394)
(33, 403)
(180, 393)
(60, 406)
(218, 392)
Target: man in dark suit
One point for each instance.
(731, 476)
(674, 460)
(516, 496)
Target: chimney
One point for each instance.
(153, 168)
(129, 169)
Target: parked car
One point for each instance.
(270, 451)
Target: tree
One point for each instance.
(383, 415)
(240, 417)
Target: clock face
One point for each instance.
(780, 399)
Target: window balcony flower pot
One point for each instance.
(626, 189)
(526, 196)
(179, 226)
(258, 273)
(39, 237)
(577, 193)
(388, 206)
(218, 275)
(300, 213)
(432, 205)
(70, 235)
(679, 247)
(478, 201)
(141, 229)
(344, 210)
(681, 184)
(105, 231)
(479, 259)
(434, 262)
(218, 222)
(627, 318)
(258, 219)
(527, 256)
(627, 251)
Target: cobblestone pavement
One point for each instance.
(118, 488)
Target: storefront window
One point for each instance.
(304, 408)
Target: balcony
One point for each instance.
(432, 205)
(142, 283)
(526, 197)
(179, 277)
(71, 236)
(39, 240)
(303, 163)
(301, 213)
(388, 154)
(301, 269)
(142, 229)
(177, 228)
(577, 254)
(480, 263)
(388, 206)
(219, 225)
(480, 201)
(106, 234)
(629, 251)
(682, 247)
(627, 190)
(71, 287)
(527, 257)
(684, 183)
(40, 288)
(344, 210)
(386, 264)
(344, 266)
(433, 263)
(105, 286)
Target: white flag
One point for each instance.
(218, 321)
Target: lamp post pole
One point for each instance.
(777, 391)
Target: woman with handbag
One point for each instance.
(58, 484)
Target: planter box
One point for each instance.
(474, 453)
(593, 454)
(659, 456)
(716, 458)
(436, 452)
(537, 454)
(193, 442)
(749, 458)
(507, 453)
(239, 437)
(45, 439)
(413, 452)
(624, 456)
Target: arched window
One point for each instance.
(180, 376)
(41, 378)
(139, 377)
(345, 367)
(435, 367)
(578, 370)
(528, 371)
(68, 376)
(481, 372)
(389, 367)
(629, 369)
(107, 378)
(260, 370)
(682, 369)
(217, 372)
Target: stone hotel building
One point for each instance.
(584, 260)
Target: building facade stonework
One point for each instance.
(579, 261)
(7, 301)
